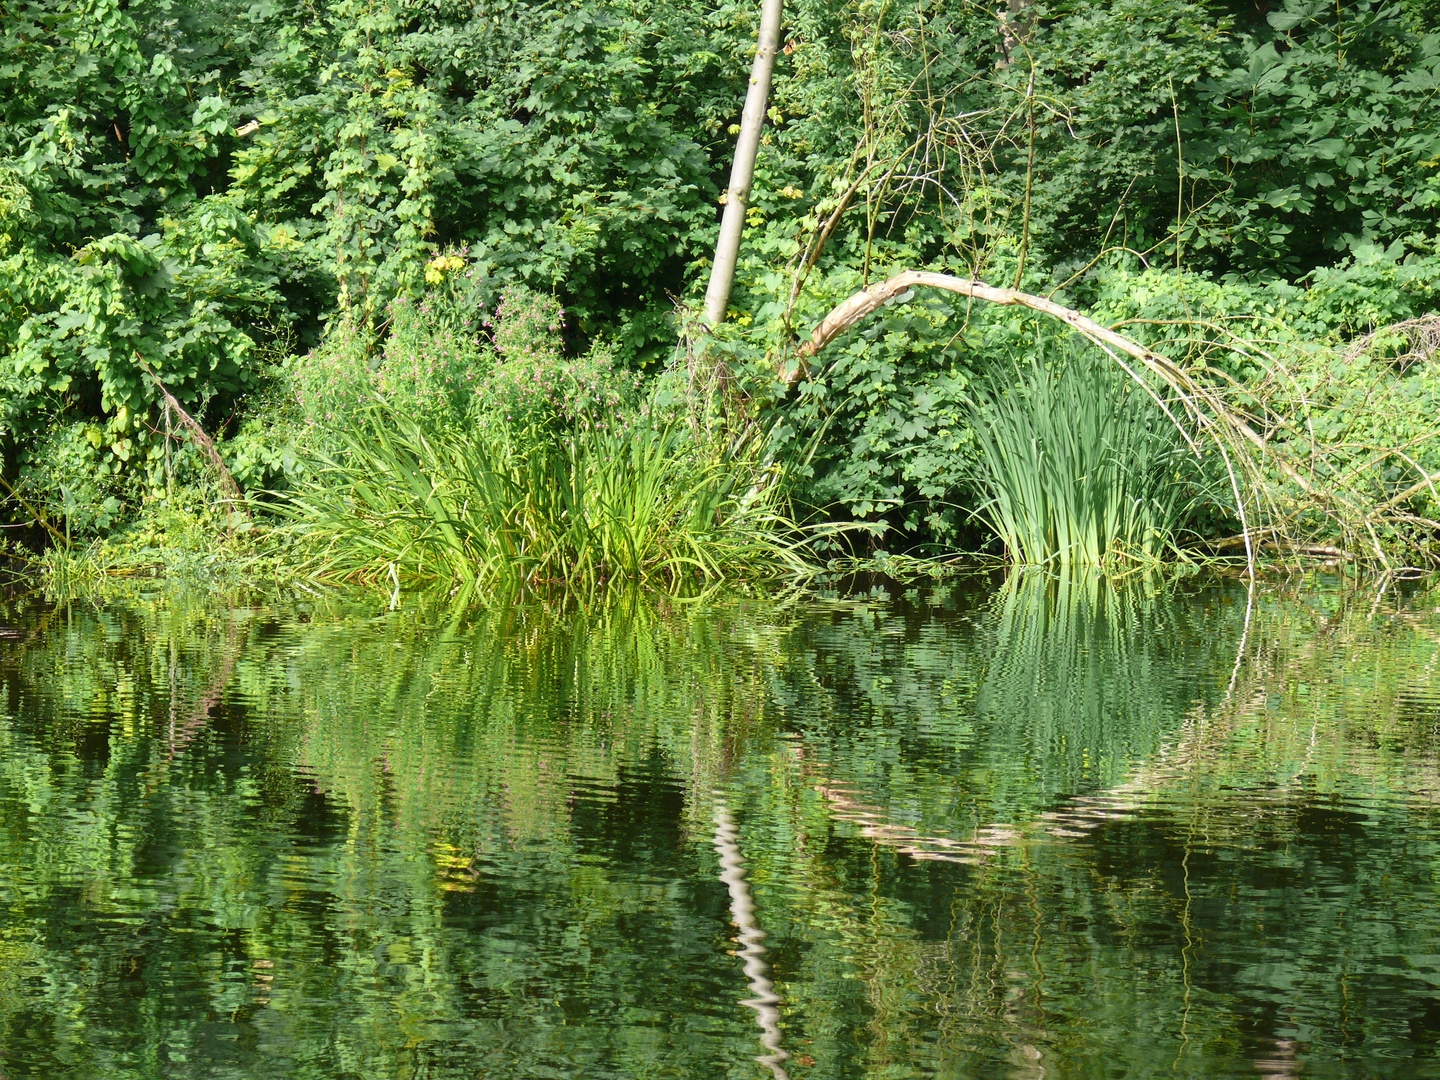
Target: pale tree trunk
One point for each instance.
(1015, 25)
(742, 173)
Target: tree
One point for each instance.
(737, 195)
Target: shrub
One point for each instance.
(532, 384)
(428, 364)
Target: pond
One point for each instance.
(967, 829)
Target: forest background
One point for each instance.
(267, 221)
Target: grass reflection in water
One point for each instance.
(1053, 828)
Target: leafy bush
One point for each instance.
(879, 433)
(330, 384)
(77, 489)
(456, 366)
(533, 386)
(428, 365)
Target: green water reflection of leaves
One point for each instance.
(348, 843)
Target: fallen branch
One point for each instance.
(202, 440)
(1203, 405)
(1280, 543)
(851, 311)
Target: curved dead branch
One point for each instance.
(851, 311)
(1226, 427)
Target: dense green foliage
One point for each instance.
(198, 187)
(195, 195)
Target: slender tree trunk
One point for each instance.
(742, 173)
(1016, 22)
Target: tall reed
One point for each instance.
(1079, 465)
(486, 507)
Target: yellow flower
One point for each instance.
(440, 265)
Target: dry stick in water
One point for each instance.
(197, 434)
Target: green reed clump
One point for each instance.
(1079, 465)
(490, 506)
(486, 458)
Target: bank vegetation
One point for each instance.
(430, 295)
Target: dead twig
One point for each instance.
(236, 497)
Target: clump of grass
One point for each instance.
(1079, 465)
(486, 507)
(498, 462)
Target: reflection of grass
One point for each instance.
(1082, 678)
(1079, 465)
(200, 549)
(1288, 714)
(524, 709)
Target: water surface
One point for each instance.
(964, 830)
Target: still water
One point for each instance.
(969, 830)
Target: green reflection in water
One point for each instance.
(1047, 829)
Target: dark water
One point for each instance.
(1052, 830)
